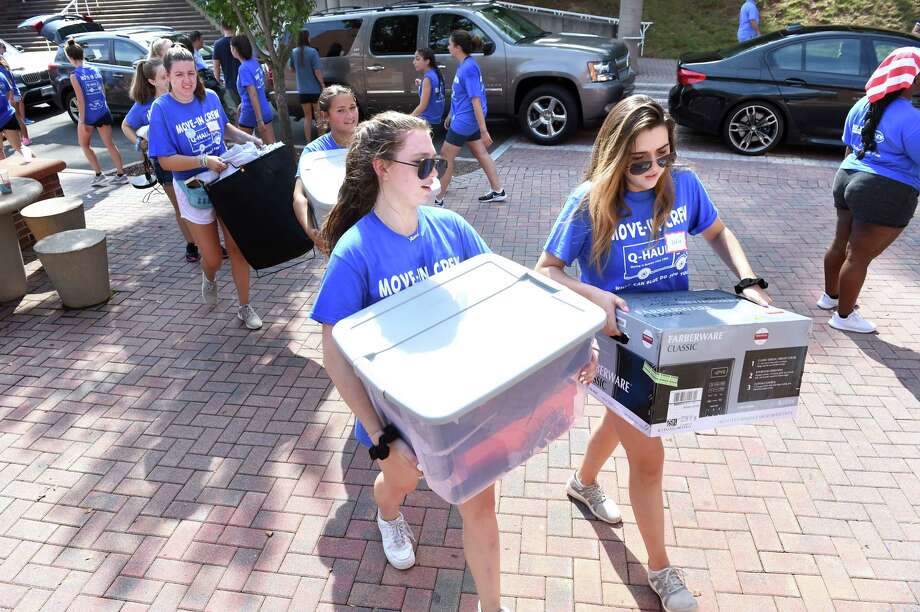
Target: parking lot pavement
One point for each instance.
(153, 452)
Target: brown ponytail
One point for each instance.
(380, 137)
(142, 91)
(73, 50)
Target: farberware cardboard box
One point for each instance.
(696, 360)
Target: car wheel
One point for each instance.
(753, 128)
(70, 103)
(548, 114)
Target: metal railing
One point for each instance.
(74, 7)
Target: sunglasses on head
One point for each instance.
(644, 166)
(425, 166)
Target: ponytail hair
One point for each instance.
(181, 54)
(428, 55)
(466, 41)
(142, 91)
(159, 47)
(73, 50)
(873, 118)
(242, 46)
(380, 137)
(303, 41)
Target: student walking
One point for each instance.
(188, 128)
(430, 88)
(631, 184)
(466, 122)
(379, 227)
(9, 124)
(94, 114)
(748, 21)
(305, 63)
(339, 109)
(226, 67)
(256, 112)
(149, 83)
(18, 104)
(876, 187)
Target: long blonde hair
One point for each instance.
(610, 160)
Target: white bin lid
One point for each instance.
(322, 173)
(452, 342)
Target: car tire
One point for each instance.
(753, 128)
(548, 114)
(70, 105)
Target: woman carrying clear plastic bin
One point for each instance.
(379, 228)
(339, 109)
(187, 132)
(633, 201)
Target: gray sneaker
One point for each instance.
(120, 179)
(670, 587)
(594, 497)
(247, 315)
(208, 290)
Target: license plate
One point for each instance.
(48, 90)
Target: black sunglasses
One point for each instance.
(644, 166)
(425, 166)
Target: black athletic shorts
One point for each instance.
(873, 198)
(12, 124)
(308, 98)
(105, 119)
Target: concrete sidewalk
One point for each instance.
(156, 455)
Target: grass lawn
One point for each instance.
(698, 25)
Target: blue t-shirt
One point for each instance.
(897, 142)
(371, 262)
(192, 128)
(324, 143)
(748, 14)
(12, 79)
(251, 74)
(434, 112)
(229, 65)
(637, 262)
(199, 62)
(467, 84)
(139, 115)
(304, 60)
(6, 109)
(90, 81)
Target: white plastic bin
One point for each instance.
(476, 367)
(322, 173)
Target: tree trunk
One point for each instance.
(631, 25)
(281, 103)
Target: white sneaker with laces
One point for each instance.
(397, 541)
(99, 181)
(594, 497)
(208, 290)
(248, 316)
(670, 586)
(120, 179)
(826, 302)
(852, 323)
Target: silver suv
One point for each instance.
(552, 83)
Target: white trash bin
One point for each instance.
(475, 366)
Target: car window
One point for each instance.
(126, 53)
(788, 57)
(333, 38)
(833, 56)
(514, 25)
(396, 35)
(882, 48)
(443, 24)
(96, 51)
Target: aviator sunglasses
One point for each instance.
(425, 166)
(642, 167)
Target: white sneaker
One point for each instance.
(208, 290)
(669, 585)
(826, 302)
(99, 181)
(247, 315)
(594, 497)
(120, 179)
(397, 541)
(852, 323)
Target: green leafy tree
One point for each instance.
(273, 26)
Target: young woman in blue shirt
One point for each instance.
(187, 132)
(430, 88)
(628, 227)
(94, 113)
(306, 66)
(466, 122)
(255, 111)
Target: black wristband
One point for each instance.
(744, 283)
(382, 449)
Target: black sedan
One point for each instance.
(795, 85)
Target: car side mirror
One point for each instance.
(488, 47)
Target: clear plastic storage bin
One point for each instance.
(322, 173)
(476, 367)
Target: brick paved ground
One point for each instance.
(154, 454)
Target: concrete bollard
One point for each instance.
(77, 263)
